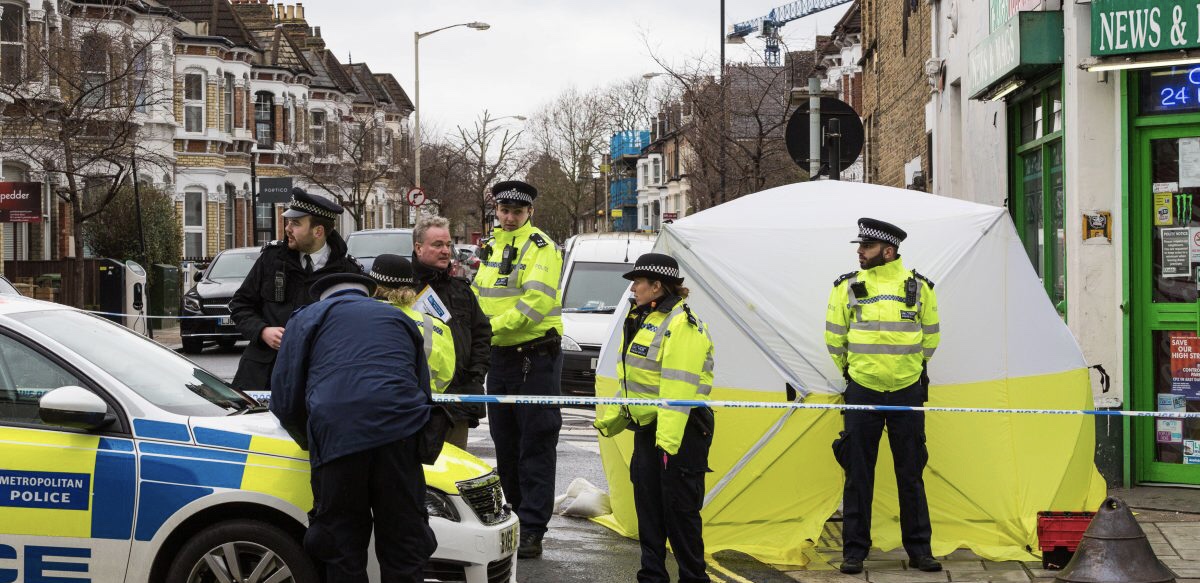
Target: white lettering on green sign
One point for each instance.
(1137, 26)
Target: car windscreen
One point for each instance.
(376, 244)
(151, 370)
(595, 287)
(232, 266)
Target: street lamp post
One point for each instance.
(417, 36)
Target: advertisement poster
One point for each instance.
(1169, 431)
(1176, 260)
(20, 202)
(1191, 451)
(1172, 403)
(1185, 365)
(1164, 213)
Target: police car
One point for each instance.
(122, 461)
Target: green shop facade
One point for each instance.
(1148, 53)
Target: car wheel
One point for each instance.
(242, 550)
(227, 343)
(193, 345)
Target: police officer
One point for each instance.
(352, 387)
(280, 280)
(432, 249)
(393, 276)
(666, 352)
(517, 285)
(881, 328)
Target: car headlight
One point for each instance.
(439, 505)
(191, 303)
(569, 343)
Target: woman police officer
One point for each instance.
(394, 276)
(665, 353)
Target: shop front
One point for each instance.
(1158, 65)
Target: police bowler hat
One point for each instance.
(514, 192)
(303, 204)
(656, 266)
(392, 271)
(876, 231)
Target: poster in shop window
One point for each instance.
(1169, 431)
(1185, 365)
(1176, 252)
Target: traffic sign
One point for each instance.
(416, 197)
(851, 130)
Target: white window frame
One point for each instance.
(317, 132)
(189, 225)
(270, 121)
(19, 44)
(656, 170)
(192, 103)
(227, 101)
(94, 78)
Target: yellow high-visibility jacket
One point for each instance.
(670, 357)
(524, 304)
(439, 347)
(884, 341)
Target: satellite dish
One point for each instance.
(796, 135)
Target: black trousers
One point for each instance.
(857, 451)
(668, 500)
(382, 487)
(526, 436)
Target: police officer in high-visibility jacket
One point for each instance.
(393, 275)
(881, 328)
(666, 352)
(517, 285)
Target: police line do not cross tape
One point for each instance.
(592, 401)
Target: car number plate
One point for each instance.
(226, 321)
(594, 363)
(508, 540)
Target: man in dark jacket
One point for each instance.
(472, 333)
(279, 282)
(352, 387)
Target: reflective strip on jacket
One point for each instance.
(884, 342)
(670, 357)
(526, 303)
(439, 347)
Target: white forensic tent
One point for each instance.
(760, 269)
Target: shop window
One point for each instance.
(193, 223)
(193, 103)
(1036, 201)
(12, 43)
(264, 120)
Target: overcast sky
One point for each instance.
(534, 49)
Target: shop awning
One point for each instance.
(1028, 44)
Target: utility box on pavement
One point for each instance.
(164, 295)
(122, 291)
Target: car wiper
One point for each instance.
(251, 409)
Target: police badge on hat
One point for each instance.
(303, 204)
(876, 231)
(514, 192)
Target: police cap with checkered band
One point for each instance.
(514, 192)
(876, 231)
(656, 266)
(392, 271)
(303, 204)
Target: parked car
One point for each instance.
(592, 288)
(121, 460)
(210, 296)
(466, 260)
(7, 288)
(368, 244)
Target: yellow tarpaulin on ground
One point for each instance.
(760, 269)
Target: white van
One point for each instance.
(592, 289)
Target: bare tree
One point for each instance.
(573, 132)
(491, 152)
(78, 106)
(354, 160)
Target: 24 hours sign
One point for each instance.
(1143, 26)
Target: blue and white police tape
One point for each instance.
(592, 401)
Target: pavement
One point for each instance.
(168, 337)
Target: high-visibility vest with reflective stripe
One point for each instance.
(524, 304)
(439, 348)
(670, 357)
(883, 340)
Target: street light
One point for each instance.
(417, 36)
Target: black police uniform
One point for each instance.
(472, 338)
(275, 287)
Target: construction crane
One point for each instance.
(770, 24)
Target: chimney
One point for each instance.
(317, 31)
(299, 11)
(290, 11)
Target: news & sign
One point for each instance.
(20, 202)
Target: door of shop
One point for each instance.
(1164, 229)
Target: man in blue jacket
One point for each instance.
(351, 385)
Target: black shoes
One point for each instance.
(926, 563)
(531, 546)
(852, 566)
